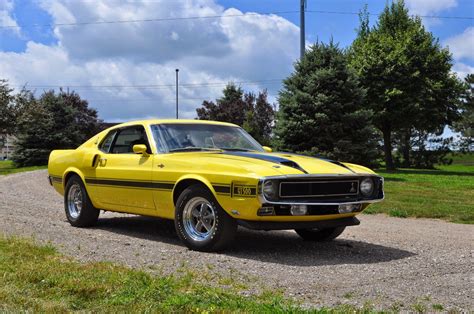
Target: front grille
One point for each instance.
(298, 189)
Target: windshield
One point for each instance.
(196, 137)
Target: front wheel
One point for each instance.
(79, 209)
(200, 221)
(320, 235)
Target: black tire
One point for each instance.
(320, 235)
(224, 227)
(87, 215)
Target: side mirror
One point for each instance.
(140, 149)
(267, 149)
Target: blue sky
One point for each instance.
(105, 63)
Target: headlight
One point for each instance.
(367, 187)
(270, 189)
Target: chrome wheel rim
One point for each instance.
(74, 201)
(199, 219)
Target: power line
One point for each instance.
(158, 86)
(147, 20)
(378, 14)
(133, 100)
(215, 17)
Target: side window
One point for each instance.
(107, 142)
(128, 137)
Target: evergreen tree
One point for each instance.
(407, 76)
(55, 121)
(7, 112)
(321, 109)
(231, 107)
(465, 125)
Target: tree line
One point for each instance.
(388, 97)
(390, 94)
(55, 120)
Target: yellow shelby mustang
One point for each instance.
(209, 177)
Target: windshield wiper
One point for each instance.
(230, 149)
(193, 149)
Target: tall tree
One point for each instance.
(231, 107)
(465, 125)
(321, 109)
(7, 110)
(407, 75)
(253, 112)
(264, 117)
(55, 121)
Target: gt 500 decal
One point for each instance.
(244, 190)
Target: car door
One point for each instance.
(122, 179)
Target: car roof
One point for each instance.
(175, 121)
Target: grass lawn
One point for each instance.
(38, 279)
(446, 193)
(7, 167)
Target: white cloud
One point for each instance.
(462, 69)
(244, 48)
(6, 19)
(430, 8)
(462, 45)
(427, 7)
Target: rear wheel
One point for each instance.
(200, 221)
(79, 209)
(320, 235)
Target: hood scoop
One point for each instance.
(292, 164)
(269, 158)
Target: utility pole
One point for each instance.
(302, 28)
(177, 74)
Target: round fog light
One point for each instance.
(299, 210)
(348, 208)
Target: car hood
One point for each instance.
(273, 164)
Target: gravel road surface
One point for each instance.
(388, 262)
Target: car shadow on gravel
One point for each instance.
(280, 247)
(141, 227)
(286, 247)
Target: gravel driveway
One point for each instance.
(387, 262)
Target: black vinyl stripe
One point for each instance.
(128, 180)
(335, 162)
(136, 184)
(224, 189)
(162, 185)
(340, 164)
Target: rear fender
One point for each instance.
(73, 170)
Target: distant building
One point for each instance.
(7, 146)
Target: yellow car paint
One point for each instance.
(147, 184)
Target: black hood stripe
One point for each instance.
(286, 162)
(270, 158)
(340, 164)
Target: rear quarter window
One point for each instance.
(107, 142)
